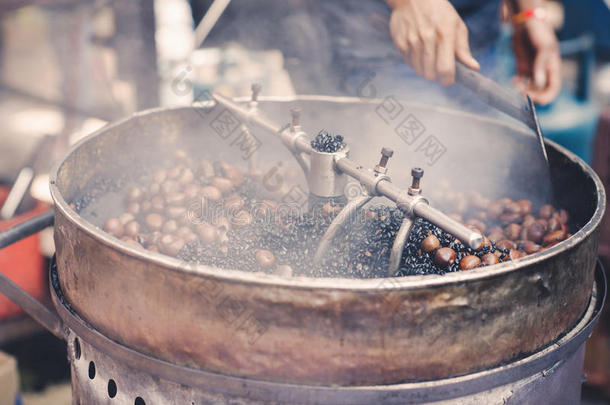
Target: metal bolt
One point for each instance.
(417, 173)
(386, 154)
(295, 112)
(256, 89)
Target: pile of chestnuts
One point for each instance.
(213, 213)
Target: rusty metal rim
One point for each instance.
(397, 283)
(416, 392)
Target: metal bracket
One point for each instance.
(407, 202)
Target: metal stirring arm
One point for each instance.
(293, 138)
(348, 212)
(327, 175)
(399, 245)
(411, 204)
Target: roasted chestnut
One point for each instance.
(444, 257)
(430, 243)
(469, 262)
(265, 258)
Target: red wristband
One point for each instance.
(527, 14)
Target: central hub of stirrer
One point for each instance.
(327, 174)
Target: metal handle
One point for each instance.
(502, 98)
(16, 294)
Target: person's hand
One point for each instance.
(538, 60)
(431, 35)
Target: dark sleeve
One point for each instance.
(482, 17)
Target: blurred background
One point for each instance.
(69, 67)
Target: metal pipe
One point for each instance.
(301, 143)
(18, 191)
(346, 213)
(399, 245)
(31, 306)
(26, 228)
(415, 204)
(247, 115)
(420, 207)
(209, 20)
(353, 169)
(438, 218)
(16, 294)
(374, 182)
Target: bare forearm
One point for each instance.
(395, 3)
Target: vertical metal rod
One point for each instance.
(302, 162)
(537, 129)
(18, 191)
(209, 20)
(399, 245)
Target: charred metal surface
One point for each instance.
(316, 331)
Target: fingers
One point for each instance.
(462, 47)
(445, 59)
(429, 45)
(546, 77)
(416, 59)
(430, 38)
(407, 42)
(554, 76)
(539, 75)
(399, 34)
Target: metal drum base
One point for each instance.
(559, 384)
(104, 372)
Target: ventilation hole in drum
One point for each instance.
(139, 401)
(111, 388)
(91, 370)
(76, 348)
